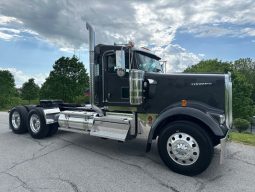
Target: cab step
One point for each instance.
(114, 127)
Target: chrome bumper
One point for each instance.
(223, 143)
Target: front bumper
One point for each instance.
(223, 148)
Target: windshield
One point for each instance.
(148, 64)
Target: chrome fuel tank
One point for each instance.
(81, 120)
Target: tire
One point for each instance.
(185, 148)
(53, 129)
(36, 123)
(18, 120)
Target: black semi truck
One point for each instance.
(188, 114)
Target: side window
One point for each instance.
(111, 62)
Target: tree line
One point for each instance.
(69, 79)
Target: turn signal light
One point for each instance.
(149, 120)
(184, 103)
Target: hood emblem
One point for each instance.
(201, 84)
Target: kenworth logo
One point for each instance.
(201, 84)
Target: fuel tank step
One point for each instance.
(114, 127)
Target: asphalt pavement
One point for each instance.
(74, 162)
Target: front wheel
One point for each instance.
(185, 147)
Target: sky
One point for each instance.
(35, 33)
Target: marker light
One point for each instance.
(184, 103)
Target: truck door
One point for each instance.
(116, 89)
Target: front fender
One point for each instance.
(189, 112)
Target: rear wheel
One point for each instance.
(37, 126)
(18, 119)
(185, 147)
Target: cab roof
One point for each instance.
(118, 47)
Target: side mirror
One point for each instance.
(120, 63)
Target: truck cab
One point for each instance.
(188, 114)
(108, 93)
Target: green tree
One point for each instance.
(66, 81)
(210, 66)
(243, 106)
(246, 66)
(7, 87)
(30, 90)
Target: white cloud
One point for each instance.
(249, 31)
(4, 29)
(67, 49)
(214, 11)
(21, 77)
(8, 33)
(6, 20)
(29, 31)
(6, 36)
(219, 31)
(149, 23)
(12, 28)
(177, 57)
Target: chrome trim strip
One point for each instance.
(228, 100)
(73, 130)
(103, 71)
(51, 111)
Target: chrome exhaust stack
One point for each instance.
(91, 61)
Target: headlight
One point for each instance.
(220, 118)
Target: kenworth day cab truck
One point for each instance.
(188, 114)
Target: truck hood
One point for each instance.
(167, 89)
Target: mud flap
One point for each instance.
(223, 148)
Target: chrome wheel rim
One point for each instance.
(15, 120)
(183, 149)
(35, 123)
